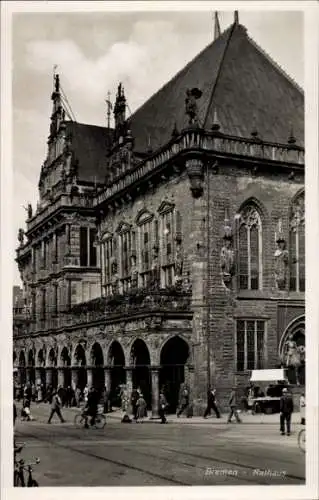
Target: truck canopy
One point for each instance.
(275, 375)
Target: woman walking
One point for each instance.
(141, 409)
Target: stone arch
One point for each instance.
(31, 356)
(296, 328)
(175, 355)
(65, 358)
(40, 360)
(97, 363)
(258, 205)
(51, 357)
(116, 363)
(79, 355)
(140, 360)
(22, 360)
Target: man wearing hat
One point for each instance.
(286, 409)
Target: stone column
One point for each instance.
(89, 374)
(190, 381)
(129, 385)
(155, 391)
(48, 376)
(61, 377)
(107, 384)
(74, 377)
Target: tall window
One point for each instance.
(87, 247)
(43, 304)
(297, 245)
(109, 252)
(145, 244)
(168, 247)
(126, 248)
(250, 250)
(250, 342)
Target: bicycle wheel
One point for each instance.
(79, 420)
(100, 421)
(302, 440)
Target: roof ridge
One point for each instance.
(176, 75)
(87, 124)
(275, 64)
(231, 31)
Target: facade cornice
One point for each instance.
(196, 142)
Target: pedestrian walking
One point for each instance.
(91, 407)
(302, 409)
(233, 406)
(141, 409)
(211, 404)
(162, 408)
(78, 394)
(26, 410)
(134, 398)
(184, 401)
(286, 409)
(56, 407)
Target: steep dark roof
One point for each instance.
(89, 146)
(240, 81)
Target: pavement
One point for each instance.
(201, 452)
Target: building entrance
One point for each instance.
(140, 359)
(174, 356)
(118, 376)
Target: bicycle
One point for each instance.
(302, 440)
(20, 467)
(81, 417)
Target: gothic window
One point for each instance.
(87, 247)
(250, 342)
(297, 245)
(250, 250)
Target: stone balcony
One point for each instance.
(135, 302)
(206, 142)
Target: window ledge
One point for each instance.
(252, 294)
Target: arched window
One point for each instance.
(250, 249)
(297, 244)
(144, 222)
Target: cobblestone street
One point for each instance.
(184, 452)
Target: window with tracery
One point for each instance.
(297, 245)
(127, 243)
(168, 247)
(145, 244)
(250, 344)
(250, 249)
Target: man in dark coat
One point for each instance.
(233, 406)
(134, 397)
(92, 406)
(286, 409)
(211, 403)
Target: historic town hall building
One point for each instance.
(170, 248)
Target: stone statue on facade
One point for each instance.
(191, 108)
(21, 236)
(293, 356)
(281, 260)
(227, 259)
(29, 210)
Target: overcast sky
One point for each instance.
(96, 51)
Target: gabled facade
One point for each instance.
(199, 250)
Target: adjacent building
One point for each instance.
(170, 248)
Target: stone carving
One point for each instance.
(21, 237)
(191, 107)
(298, 213)
(227, 260)
(281, 264)
(29, 210)
(293, 356)
(195, 171)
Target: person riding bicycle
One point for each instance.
(90, 409)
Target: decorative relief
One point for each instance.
(227, 259)
(298, 213)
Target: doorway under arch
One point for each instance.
(97, 362)
(116, 360)
(174, 356)
(140, 360)
(81, 366)
(66, 363)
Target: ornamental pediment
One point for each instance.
(123, 227)
(143, 216)
(165, 206)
